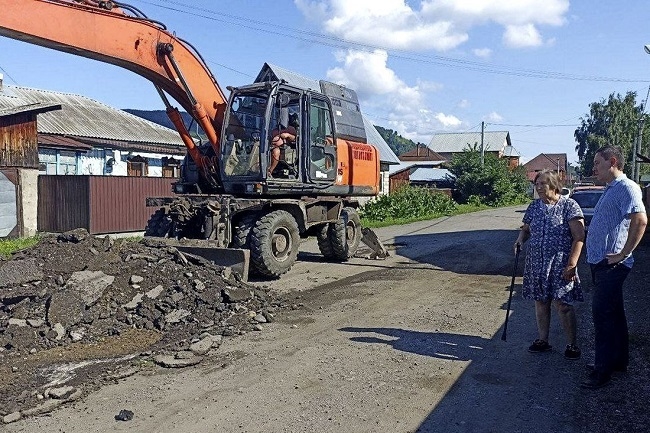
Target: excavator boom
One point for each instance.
(246, 195)
(103, 31)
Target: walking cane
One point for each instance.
(512, 286)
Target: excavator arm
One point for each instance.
(104, 31)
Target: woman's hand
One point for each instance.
(570, 273)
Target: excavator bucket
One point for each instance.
(235, 259)
(369, 237)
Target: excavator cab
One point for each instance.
(280, 135)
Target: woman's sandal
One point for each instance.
(572, 352)
(539, 346)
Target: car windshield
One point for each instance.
(587, 199)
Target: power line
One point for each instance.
(336, 42)
(9, 76)
(531, 125)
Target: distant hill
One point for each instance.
(397, 143)
(158, 116)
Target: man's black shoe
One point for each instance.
(622, 369)
(596, 380)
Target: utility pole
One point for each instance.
(482, 141)
(634, 150)
(636, 164)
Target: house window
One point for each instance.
(171, 167)
(47, 161)
(137, 166)
(51, 161)
(67, 162)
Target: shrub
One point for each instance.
(408, 202)
(493, 183)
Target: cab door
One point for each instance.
(321, 141)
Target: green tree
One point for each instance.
(613, 121)
(493, 184)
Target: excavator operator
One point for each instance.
(284, 135)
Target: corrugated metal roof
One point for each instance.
(40, 107)
(424, 174)
(456, 142)
(84, 117)
(62, 142)
(386, 154)
(407, 165)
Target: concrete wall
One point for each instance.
(28, 201)
(18, 202)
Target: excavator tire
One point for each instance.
(324, 244)
(159, 225)
(336, 235)
(352, 230)
(343, 236)
(243, 229)
(274, 243)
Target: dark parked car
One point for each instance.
(587, 197)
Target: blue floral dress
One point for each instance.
(548, 251)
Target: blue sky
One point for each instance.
(531, 67)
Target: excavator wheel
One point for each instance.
(159, 225)
(343, 236)
(274, 243)
(324, 243)
(242, 231)
(352, 230)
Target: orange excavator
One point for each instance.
(280, 162)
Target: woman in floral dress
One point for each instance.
(555, 226)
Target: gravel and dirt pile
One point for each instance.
(78, 310)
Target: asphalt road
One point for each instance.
(410, 343)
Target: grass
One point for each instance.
(10, 246)
(460, 209)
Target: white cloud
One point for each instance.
(482, 52)
(520, 36)
(494, 117)
(448, 121)
(382, 91)
(464, 103)
(388, 24)
(438, 24)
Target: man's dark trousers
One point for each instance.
(610, 323)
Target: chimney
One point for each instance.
(1, 82)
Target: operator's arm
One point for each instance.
(288, 136)
(577, 226)
(638, 223)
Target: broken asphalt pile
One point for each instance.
(78, 310)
